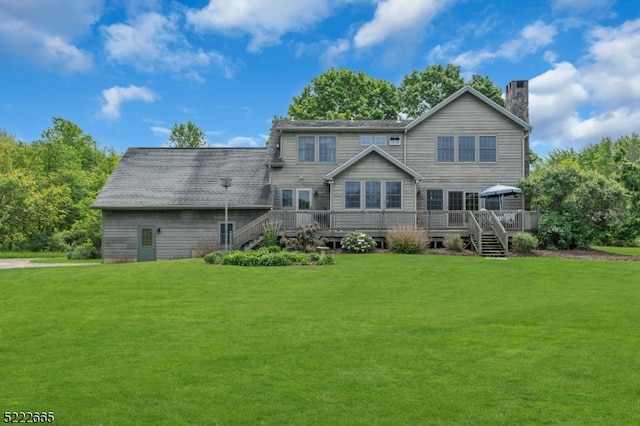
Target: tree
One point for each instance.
(187, 136)
(577, 206)
(344, 94)
(422, 90)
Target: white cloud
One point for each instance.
(116, 95)
(238, 142)
(394, 18)
(265, 21)
(334, 52)
(153, 42)
(532, 38)
(44, 32)
(579, 5)
(160, 131)
(578, 105)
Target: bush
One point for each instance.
(214, 258)
(267, 256)
(307, 239)
(358, 242)
(407, 240)
(270, 235)
(524, 242)
(83, 251)
(453, 242)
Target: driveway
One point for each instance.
(26, 263)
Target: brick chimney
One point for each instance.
(517, 103)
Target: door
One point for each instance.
(303, 207)
(146, 244)
(456, 212)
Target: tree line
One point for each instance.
(584, 196)
(47, 188)
(588, 196)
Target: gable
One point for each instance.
(373, 150)
(470, 96)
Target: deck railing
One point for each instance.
(442, 220)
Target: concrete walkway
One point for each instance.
(26, 263)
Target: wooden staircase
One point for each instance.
(490, 247)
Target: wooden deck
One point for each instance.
(436, 224)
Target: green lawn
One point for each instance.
(626, 251)
(374, 339)
(31, 254)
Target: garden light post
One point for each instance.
(226, 183)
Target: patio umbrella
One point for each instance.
(500, 191)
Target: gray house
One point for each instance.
(368, 175)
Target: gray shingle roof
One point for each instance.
(157, 178)
(341, 124)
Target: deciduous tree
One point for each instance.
(187, 136)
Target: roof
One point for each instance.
(374, 148)
(173, 178)
(468, 89)
(298, 125)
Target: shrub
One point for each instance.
(214, 258)
(453, 242)
(202, 247)
(523, 242)
(407, 240)
(307, 239)
(267, 256)
(358, 242)
(270, 235)
(85, 250)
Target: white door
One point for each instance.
(303, 207)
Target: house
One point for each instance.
(369, 175)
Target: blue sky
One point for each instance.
(126, 71)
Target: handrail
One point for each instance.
(475, 229)
(251, 230)
(501, 233)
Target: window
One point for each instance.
(435, 199)
(226, 234)
(327, 149)
(287, 198)
(393, 195)
(472, 202)
(146, 237)
(351, 195)
(381, 140)
(373, 192)
(306, 149)
(467, 149)
(445, 149)
(492, 203)
(365, 140)
(487, 149)
(394, 140)
(324, 150)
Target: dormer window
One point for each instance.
(394, 140)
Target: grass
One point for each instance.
(31, 254)
(625, 251)
(64, 260)
(374, 339)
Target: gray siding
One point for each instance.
(467, 115)
(180, 231)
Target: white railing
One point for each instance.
(500, 231)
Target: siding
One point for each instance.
(467, 115)
(180, 231)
